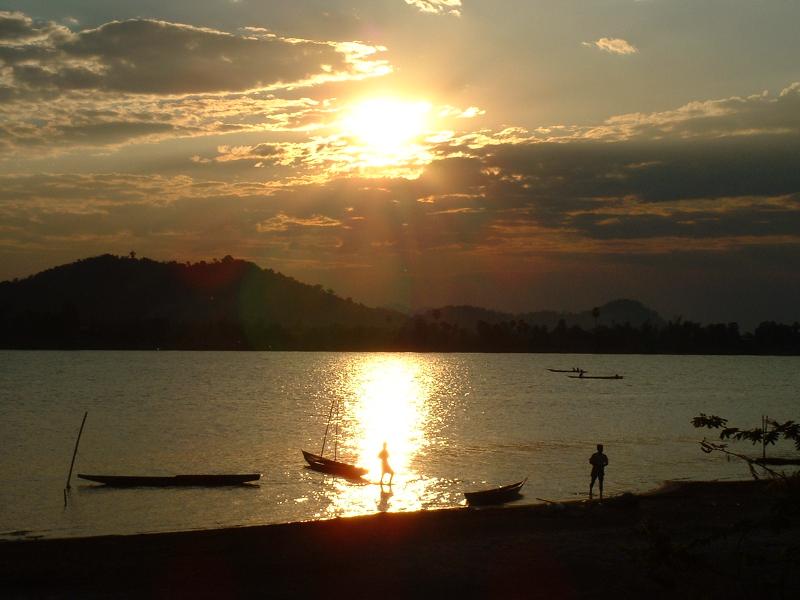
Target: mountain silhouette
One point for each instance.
(112, 302)
(109, 301)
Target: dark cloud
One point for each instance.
(17, 27)
(655, 170)
(637, 184)
(138, 75)
(111, 132)
(755, 220)
(760, 113)
(145, 56)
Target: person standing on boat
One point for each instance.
(385, 468)
(599, 461)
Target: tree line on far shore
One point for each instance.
(679, 337)
(111, 302)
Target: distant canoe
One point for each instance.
(333, 467)
(596, 377)
(175, 480)
(500, 495)
(566, 370)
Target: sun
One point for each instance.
(386, 125)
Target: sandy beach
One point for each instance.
(693, 539)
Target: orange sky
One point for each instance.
(517, 155)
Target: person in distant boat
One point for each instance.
(599, 461)
(580, 373)
(385, 468)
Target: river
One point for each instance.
(452, 423)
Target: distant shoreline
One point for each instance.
(662, 543)
(393, 351)
(111, 302)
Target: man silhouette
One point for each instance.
(598, 461)
(385, 468)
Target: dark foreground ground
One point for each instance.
(692, 540)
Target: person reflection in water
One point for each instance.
(385, 468)
(383, 503)
(598, 461)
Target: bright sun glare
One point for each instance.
(386, 125)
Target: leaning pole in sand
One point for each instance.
(75, 452)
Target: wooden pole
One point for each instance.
(327, 426)
(75, 452)
(336, 433)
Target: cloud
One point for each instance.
(144, 56)
(18, 28)
(711, 179)
(613, 46)
(84, 119)
(732, 147)
(736, 116)
(438, 7)
(283, 222)
(149, 80)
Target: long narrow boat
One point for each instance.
(500, 495)
(175, 480)
(333, 467)
(566, 370)
(595, 376)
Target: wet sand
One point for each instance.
(696, 539)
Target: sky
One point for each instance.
(513, 154)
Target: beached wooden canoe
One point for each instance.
(175, 480)
(500, 495)
(333, 467)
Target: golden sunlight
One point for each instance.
(386, 125)
(391, 409)
(389, 404)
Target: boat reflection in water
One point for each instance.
(383, 398)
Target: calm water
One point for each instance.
(453, 422)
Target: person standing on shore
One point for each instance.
(385, 468)
(598, 460)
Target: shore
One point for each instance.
(690, 539)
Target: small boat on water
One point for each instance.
(174, 480)
(333, 467)
(501, 495)
(575, 370)
(595, 376)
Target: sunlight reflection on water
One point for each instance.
(383, 398)
(452, 423)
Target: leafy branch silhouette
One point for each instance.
(768, 434)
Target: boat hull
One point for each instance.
(333, 467)
(596, 377)
(175, 480)
(501, 495)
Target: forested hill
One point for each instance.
(616, 312)
(111, 302)
(116, 302)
